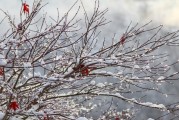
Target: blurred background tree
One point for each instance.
(63, 68)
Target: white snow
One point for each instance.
(119, 95)
(15, 118)
(27, 64)
(85, 109)
(81, 118)
(42, 62)
(146, 67)
(30, 74)
(136, 66)
(92, 82)
(38, 74)
(68, 71)
(147, 78)
(133, 100)
(160, 106)
(2, 45)
(3, 61)
(77, 61)
(12, 40)
(53, 78)
(59, 57)
(120, 73)
(46, 84)
(161, 78)
(109, 61)
(135, 77)
(1, 115)
(113, 56)
(150, 119)
(100, 85)
(177, 106)
(34, 108)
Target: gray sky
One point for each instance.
(121, 12)
(160, 11)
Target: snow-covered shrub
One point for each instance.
(64, 71)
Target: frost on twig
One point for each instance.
(63, 71)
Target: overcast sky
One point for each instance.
(121, 12)
(161, 11)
